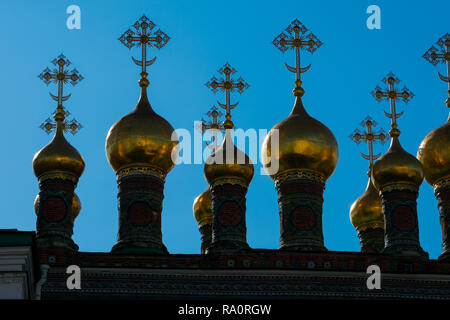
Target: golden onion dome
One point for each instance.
(141, 138)
(434, 153)
(366, 211)
(218, 167)
(397, 166)
(58, 156)
(304, 143)
(202, 209)
(76, 206)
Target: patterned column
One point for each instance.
(300, 199)
(53, 206)
(140, 205)
(401, 224)
(442, 193)
(372, 240)
(229, 231)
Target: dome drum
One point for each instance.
(300, 204)
(140, 200)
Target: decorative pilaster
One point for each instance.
(401, 224)
(229, 231)
(141, 192)
(442, 193)
(300, 200)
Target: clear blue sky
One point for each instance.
(204, 35)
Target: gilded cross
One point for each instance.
(141, 35)
(370, 137)
(441, 54)
(392, 94)
(297, 37)
(214, 123)
(228, 85)
(61, 76)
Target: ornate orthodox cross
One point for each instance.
(228, 85)
(441, 54)
(370, 137)
(61, 76)
(142, 36)
(214, 123)
(392, 94)
(297, 37)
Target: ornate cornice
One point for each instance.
(299, 174)
(141, 170)
(399, 186)
(442, 182)
(58, 175)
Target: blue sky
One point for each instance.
(205, 35)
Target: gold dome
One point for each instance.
(214, 171)
(304, 143)
(366, 211)
(58, 156)
(141, 138)
(434, 153)
(76, 205)
(397, 166)
(202, 209)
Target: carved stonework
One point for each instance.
(300, 202)
(443, 197)
(229, 232)
(53, 208)
(401, 225)
(140, 205)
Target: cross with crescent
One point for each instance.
(370, 137)
(141, 35)
(392, 94)
(297, 37)
(228, 85)
(441, 54)
(60, 76)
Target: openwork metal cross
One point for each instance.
(61, 76)
(228, 85)
(440, 54)
(297, 37)
(392, 94)
(370, 137)
(72, 126)
(214, 123)
(141, 35)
